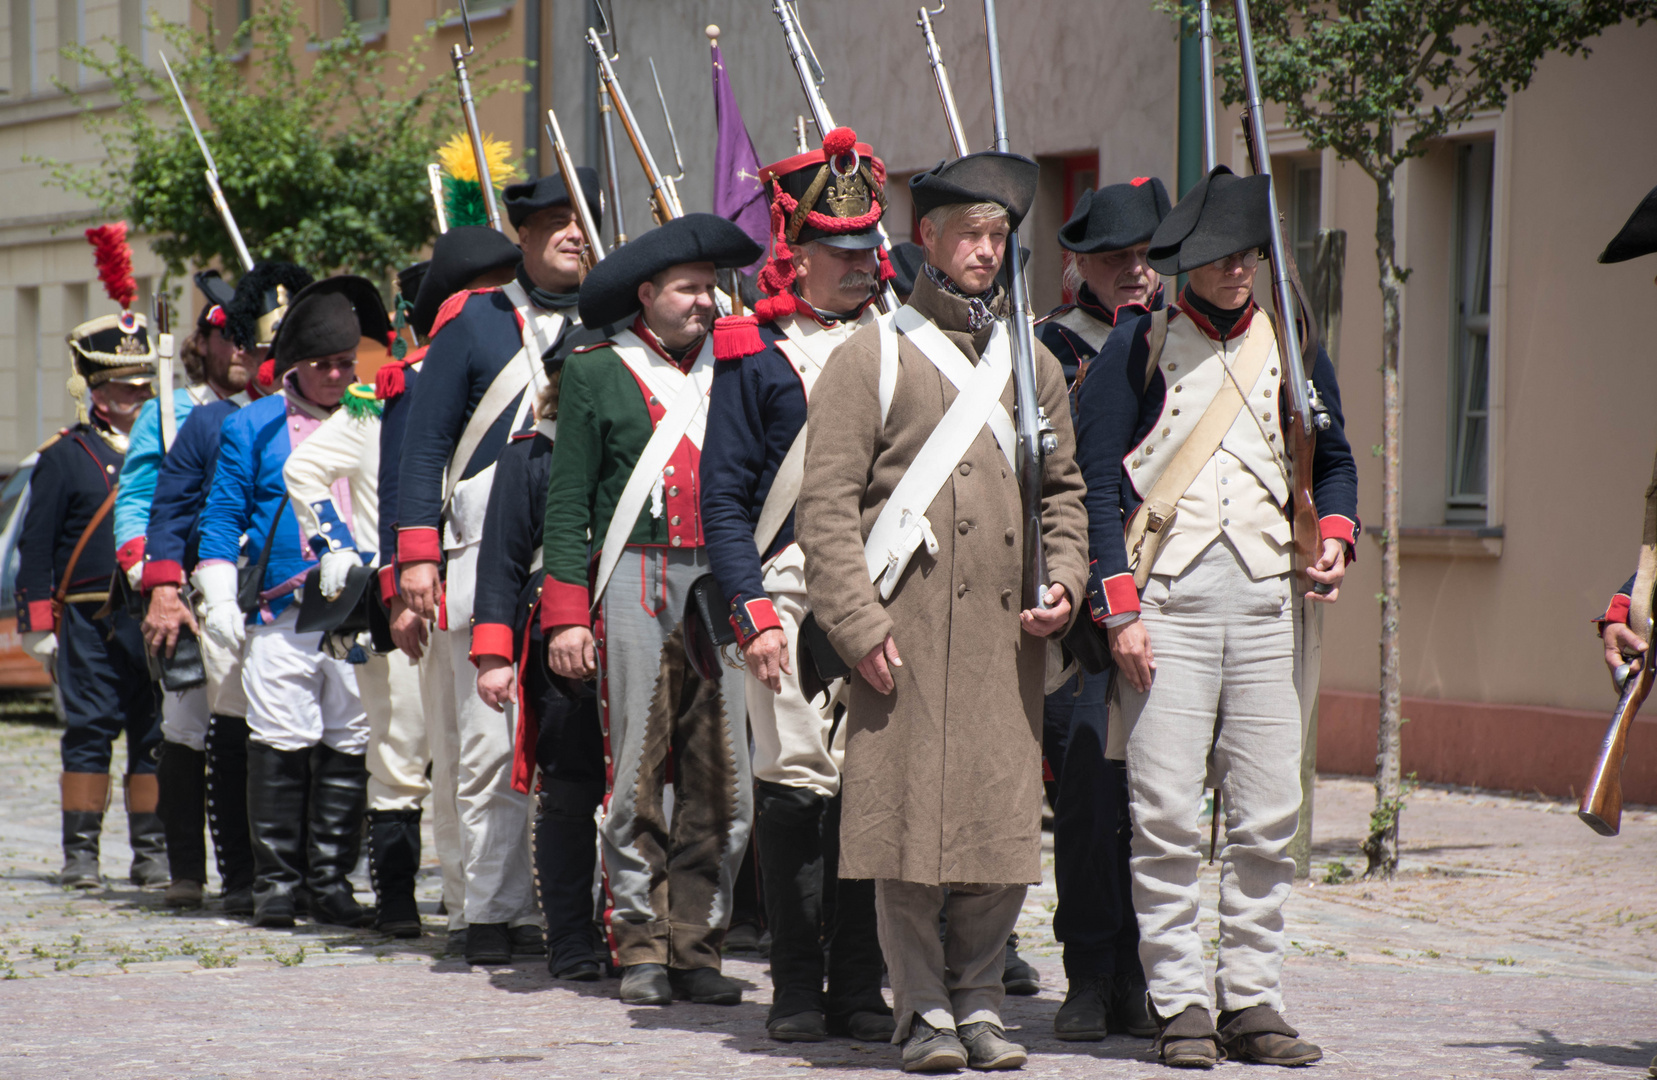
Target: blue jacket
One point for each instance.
(174, 530)
(394, 414)
(1116, 410)
(755, 410)
(70, 481)
(143, 464)
(249, 494)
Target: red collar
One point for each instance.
(1241, 327)
(649, 338)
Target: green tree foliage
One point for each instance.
(1378, 81)
(321, 146)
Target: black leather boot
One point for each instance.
(278, 788)
(144, 831)
(855, 963)
(85, 797)
(393, 862)
(339, 798)
(182, 774)
(788, 830)
(566, 848)
(227, 803)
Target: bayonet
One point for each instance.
(940, 74)
(219, 202)
(468, 109)
(594, 250)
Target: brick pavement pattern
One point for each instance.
(1515, 942)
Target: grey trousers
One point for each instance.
(670, 882)
(957, 980)
(1223, 688)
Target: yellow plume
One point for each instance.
(456, 158)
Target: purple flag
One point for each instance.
(738, 195)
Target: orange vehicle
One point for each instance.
(19, 671)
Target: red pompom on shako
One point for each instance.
(114, 258)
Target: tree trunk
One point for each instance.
(1382, 843)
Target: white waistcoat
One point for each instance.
(1244, 487)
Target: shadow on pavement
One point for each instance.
(1551, 1055)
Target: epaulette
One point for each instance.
(53, 441)
(361, 402)
(450, 308)
(736, 336)
(391, 380)
(597, 345)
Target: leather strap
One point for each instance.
(901, 526)
(1157, 511)
(689, 404)
(61, 594)
(784, 493)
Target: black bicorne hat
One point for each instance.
(458, 257)
(328, 317)
(409, 279)
(260, 301)
(1115, 217)
(1638, 236)
(1222, 215)
(218, 293)
(610, 291)
(526, 198)
(1008, 180)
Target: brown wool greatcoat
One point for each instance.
(942, 780)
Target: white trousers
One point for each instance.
(298, 695)
(791, 735)
(225, 696)
(184, 717)
(494, 819)
(437, 694)
(957, 980)
(397, 751)
(1225, 679)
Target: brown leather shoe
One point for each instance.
(1189, 1041)
(1261, 1035)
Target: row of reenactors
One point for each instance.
(593, 553)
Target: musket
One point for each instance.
(219, 202)
(800, 145)
(164, 352)
(607, 132)
(1205, 39)
(940, 74)
(810, 72)
(434, 176)
(1035, 431)
(469, 110)
(594, 251)
(1307, 415)
(672, 136)
(1601, 806)
(664, 202)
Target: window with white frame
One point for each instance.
(1469, 459)
(1306, 214)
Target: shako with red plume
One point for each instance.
(111, 347)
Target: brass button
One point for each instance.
(1149, 450)
(1176, 412)
(966, 469)
(1173, 367)
(1167, 432)
(1274, 371)
(675, 490)
(1266, 393)
(962, 527)
(668, 471)
(1135, 464)
(1178, 388)
(674, 520)
(1272, 436)
(678, 541)
(1267, 416)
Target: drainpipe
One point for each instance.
(532, 96)
(1190, 105)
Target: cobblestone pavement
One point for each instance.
(1515, 942)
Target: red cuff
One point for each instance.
(388, 583)
(491, 639)
(40, 616)
(563, 604)
(419, 545)
(161, 572)
(1334, 526)
(1617, 612)
(762, 616)
(130, 554)
(1121, 596)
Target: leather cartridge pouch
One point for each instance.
(706, 631)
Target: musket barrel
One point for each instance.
(469, 111)
(946, 92)
(1205, 31)
(1282, 291)
(664, 199)
(434, 177)
(612, 178)
(578, 196)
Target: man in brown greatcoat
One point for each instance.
(942, 782)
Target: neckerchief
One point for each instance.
(546, 301)
(979, 314)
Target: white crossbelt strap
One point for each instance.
(784, 493)
(686, 418)
(523, 374)
(955, 367)
(901, 526)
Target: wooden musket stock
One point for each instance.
(1601, 807)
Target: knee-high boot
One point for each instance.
(855, 963)
(393, 862)
(566, 851)
(788, 827)
(339, 798)
(145, 831)
(85, 798)
(227, 811)
(278, 788)
(182, 774)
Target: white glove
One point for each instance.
(135, 575)
(222, 614)
(334, 567)
(42, 645)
